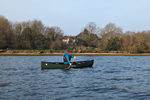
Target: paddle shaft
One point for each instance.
(70, 65)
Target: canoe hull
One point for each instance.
(61, 65)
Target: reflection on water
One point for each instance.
(112, 77)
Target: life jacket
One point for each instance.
(65, 60)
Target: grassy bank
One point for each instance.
(57, 51)
(60, 52)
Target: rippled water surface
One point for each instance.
(112, 77)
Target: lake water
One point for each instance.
(111, 78)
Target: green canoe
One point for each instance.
(61, 65)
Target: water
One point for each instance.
(111, 78)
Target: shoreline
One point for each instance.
(77, 54)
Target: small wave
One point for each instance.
(5, 84)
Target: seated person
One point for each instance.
(67, 57)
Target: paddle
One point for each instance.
(71, 64)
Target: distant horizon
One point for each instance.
(72, 16)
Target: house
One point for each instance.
(70, 40)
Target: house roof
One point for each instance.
(69, 37)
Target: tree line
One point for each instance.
(112, 38)
(29, 35)
(35, 35)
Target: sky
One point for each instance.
(73, 15)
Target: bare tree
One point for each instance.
(17, 31)
(6, 34)
(38, 30)
(92, 28)
(90, 33)
(111, 29)
(54, 33)
(108, 32)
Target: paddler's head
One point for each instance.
(67, 51)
